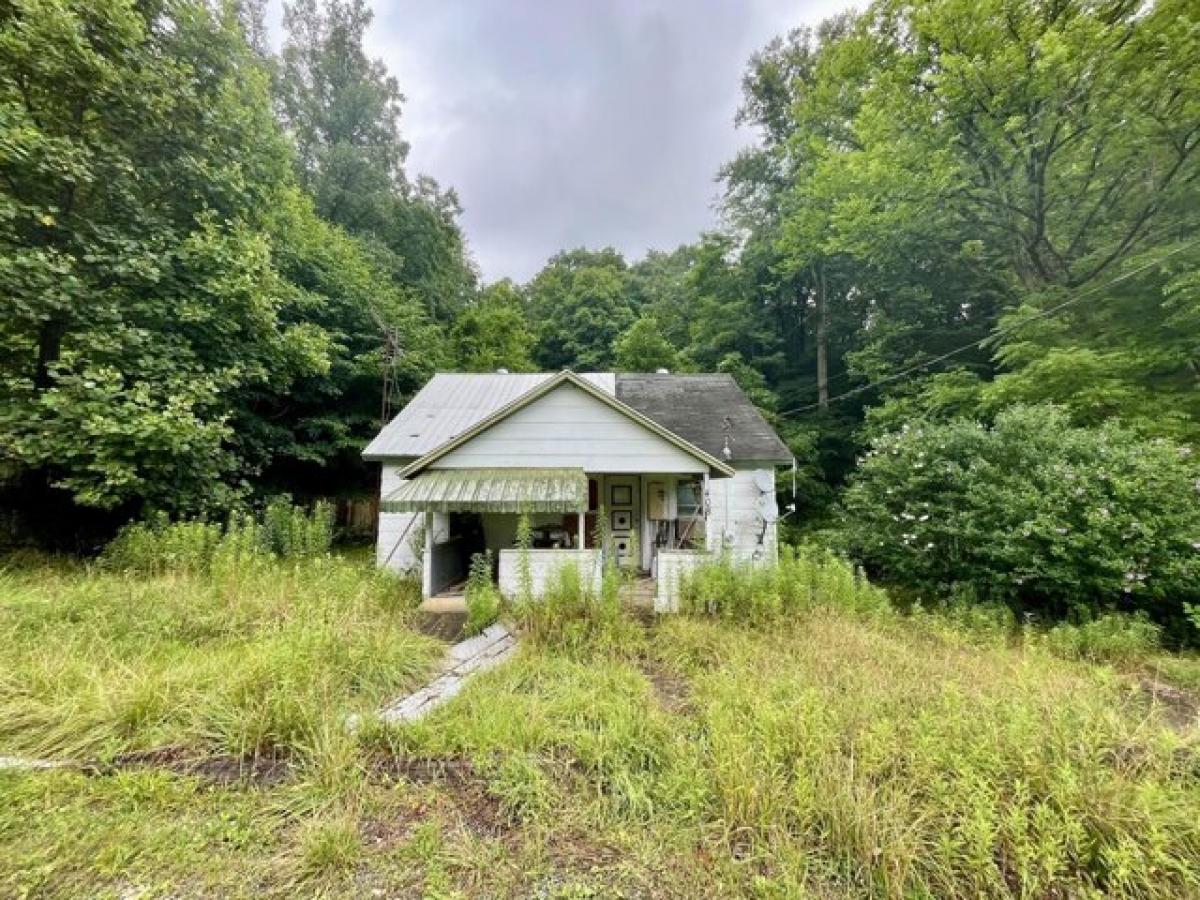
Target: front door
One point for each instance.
(622, 502)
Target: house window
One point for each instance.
(689, 515)
(688, 499)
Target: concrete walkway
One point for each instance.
(477, 654)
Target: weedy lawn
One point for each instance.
(838, 750)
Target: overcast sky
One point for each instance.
(566, 123)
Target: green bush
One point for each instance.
(1031, 512)
(802, 578)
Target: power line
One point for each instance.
(896, 376)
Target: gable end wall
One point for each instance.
(567, 428)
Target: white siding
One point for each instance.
(733, 505)
(543, 564)
(569, 428)
(393, 543)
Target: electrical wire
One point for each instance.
(1002, 332)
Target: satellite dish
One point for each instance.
(768, 509)
(764, 481)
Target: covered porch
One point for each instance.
(576, 517)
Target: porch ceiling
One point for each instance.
(491, 490)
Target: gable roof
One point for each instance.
(692, 407)
(704, 410)
(566, 376)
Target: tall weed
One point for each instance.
(573, 614)
(801, 579)
(98, 662)
(1112, 637)
(482, 597)
(283, 531)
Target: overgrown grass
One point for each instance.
(255, 659)
(812, 743)
(841, 754)
(483, 597)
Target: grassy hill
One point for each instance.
(842, 749)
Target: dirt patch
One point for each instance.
(671, 690)
(1181, 707)
(394, 828)
(222, 769)
(461, 790)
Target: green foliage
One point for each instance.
(343, 109)
(523, 544)
(581, 302)
(492, 332)
(292, 532)
(184, 330)
(482, 596)
(283, 532)
(759, 593)
(643, 348)
(801, 725)
(861, 754)
(1031, 511)
(139, 285)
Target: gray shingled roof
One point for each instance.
(702, 409)
(694, 407)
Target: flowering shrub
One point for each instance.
(1033, 512)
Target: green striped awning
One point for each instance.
(491, 490)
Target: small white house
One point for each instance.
(681, 466)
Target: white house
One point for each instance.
(681, 466)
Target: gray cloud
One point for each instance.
(576, 123)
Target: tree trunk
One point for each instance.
(822, 337)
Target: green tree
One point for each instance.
(343, 110)
(1059, 143)
(582, 301)
(642, 348)
(492, 332)
(661, 289)
(137, 155)
(308, 440)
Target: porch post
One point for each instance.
(582, 528)
(427, 558)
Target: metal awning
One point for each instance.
(491, 490)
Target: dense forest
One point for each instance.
(961, 252)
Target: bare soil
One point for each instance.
(224, 769)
